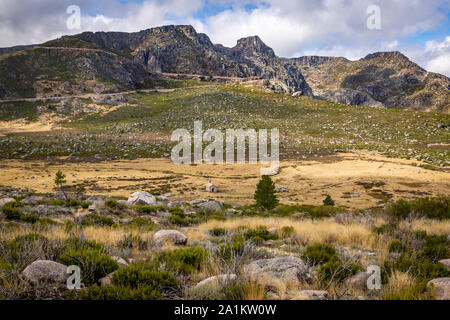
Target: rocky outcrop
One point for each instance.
(311, 295)
(348, 96)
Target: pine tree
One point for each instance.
(60, 179)
(265, 193)
(328, 201)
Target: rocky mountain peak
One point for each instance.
(253, 45)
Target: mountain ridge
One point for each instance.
(380, 79)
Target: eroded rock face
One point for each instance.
(289, 269)
(348, 96)
(142, 198)
(46, 271)
(173, 236)
(441, 287)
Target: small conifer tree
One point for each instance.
(328, 201)
(60, 179)
(265, 193)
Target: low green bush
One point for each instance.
(397, 246)
(96, 219)
(183, 260)
(336, 270)
(217, 232)
(114, 293)
(11, 213)
(30, 218)
(93, 264)
(139, 275)
(131, 241)
(433, 208)
(287, 231)
(320, 253)
(260, 234)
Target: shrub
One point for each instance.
(320, 253)
(139, 275)
(265, 193)
(400, 210)
(217, 231)
(94, 265)
(11, 213)
(328, 201)
(231, 249)
(130, 242)
(287, 231)
(388, 228)
(114, 293)
(142, 223)
(397, 246)
(96, 219)
(435, 248)
(437, 208)
(30, 218)
(260, 234)
(336, 270)
(184, 260)
(84, 204)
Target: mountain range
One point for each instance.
(103, 62)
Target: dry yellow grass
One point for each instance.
(326, 230)
(440, 227)
(400, 286)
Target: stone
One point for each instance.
(120, 261)
(4, 201)
(141, 198)
(106, 280)
(273, 230)
(358, 281)
(281, 189)
(441, 287)
(287, 268)
(212, 205)
(196, 202)
(445, 262)
(96, 205)
(217, 280)
(174, 236)
(32, 200)
(312, 295)
(46, 271)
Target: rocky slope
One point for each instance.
(386, 79)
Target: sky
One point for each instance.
(419, 29)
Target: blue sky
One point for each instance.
(420, 29)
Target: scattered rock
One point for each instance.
(141, 198)
(6, 200)
(287, 268)
(441, 287)
(312, 295)
(174, 236)
(46, 271)
(212, 205)
(120, 261)
(32, 200)
(196, 202)
(358, 281)
(217, 280)
(273, 230)
(445, 262)
(281, 189)
(96, 205)
(106, 280)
